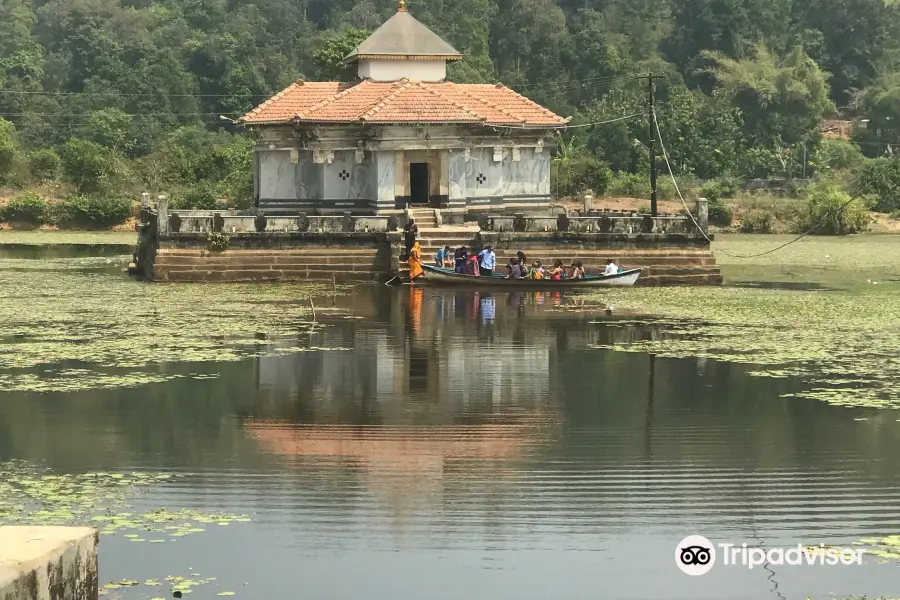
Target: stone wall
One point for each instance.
(342, 257)
(48, 563)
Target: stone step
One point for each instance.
(265, 262)
(311, 251)
(317, 267)
(284, 275)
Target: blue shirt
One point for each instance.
(488, 260)
(441, 255)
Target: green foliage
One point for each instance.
(201, 196)
(719, 213)
(836, 155)
(44, 164)
(217, 242)
(8, 150)
(895, 215)
(880, 178)
(831, 211)
(719, 188)
(92, 212)
(574, 176)
(757, 221)
(130, 94)
(629, 185)
(27, 210)
(89, 166)
(782, 99)
(329, 58)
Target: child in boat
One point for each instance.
(443, 258)
(472, 266)
(537, 271)
(558, 271)
(512, 269)
(460, 257)
(578, 270)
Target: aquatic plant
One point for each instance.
(82, 324)
(842, 342)
(33, 496)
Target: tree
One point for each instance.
(329, 58)
(782, 100)
(8, 151)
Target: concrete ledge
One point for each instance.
(48, 563)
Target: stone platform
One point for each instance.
(48, 563)
(179, 245)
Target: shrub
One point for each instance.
(201, 196)
(217, 242)
(827, 210)
(757, 221)
(582, 173)
(629, 185)
(836, 155)
(92, 212)
(880, 177)
(44, 164)
(8, 152)
(895, 215)
(29, 210)
(89, 166)
(719, 213)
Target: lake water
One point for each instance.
(472, 446)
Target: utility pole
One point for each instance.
(651, 104)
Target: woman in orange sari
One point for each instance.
(415, 262)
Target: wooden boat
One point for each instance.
(441, 276)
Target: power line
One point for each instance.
(703, 233)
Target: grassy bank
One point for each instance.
(842, 340)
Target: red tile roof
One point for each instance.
(401, 102)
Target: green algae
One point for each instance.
(41, 238)
(74, 324)
(179, 585)
(33, 496)
(886, 548)
(843, 341)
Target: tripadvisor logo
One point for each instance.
(696, 555)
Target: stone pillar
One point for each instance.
(38, 563)
(145, 200)
(588, 201)
(703, 214)
(162, 213)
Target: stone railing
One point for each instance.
(628, 223)
(174, 222)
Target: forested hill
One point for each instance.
(744, 86)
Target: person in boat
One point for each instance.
(460, 258)
(558, 271)
(537, 271)
(512, 269)
(611, 268)
(472, 265)
(410, 232)
(577, 270)
(415, 262)
(443, 258)
(488, 261)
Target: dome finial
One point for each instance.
(401, 6)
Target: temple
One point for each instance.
(401, 137)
